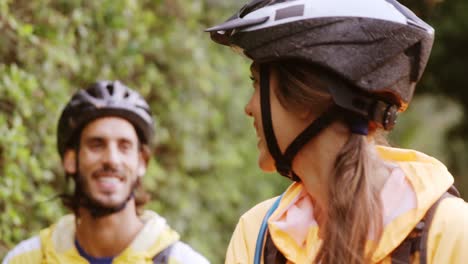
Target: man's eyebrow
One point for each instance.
(125, 140)
(93, 138)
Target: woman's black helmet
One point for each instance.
(379, 46)
(104, 98)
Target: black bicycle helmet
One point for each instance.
(103, 98)
(378, 47)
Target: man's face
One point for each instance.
(109, 160)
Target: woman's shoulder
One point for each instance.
(450, 213)
(249, 223)
(241, 248)
(259, 211)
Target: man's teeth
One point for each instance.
(108, 179)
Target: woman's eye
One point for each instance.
(252, 78)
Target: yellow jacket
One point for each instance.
(427, 179)
(55, 245)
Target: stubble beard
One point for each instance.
(99, 208)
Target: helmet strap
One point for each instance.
(283, 162)
(283, 166)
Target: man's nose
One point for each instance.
(111, 155)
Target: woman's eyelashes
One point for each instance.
(254, 80)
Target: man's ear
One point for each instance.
(69, 161)
(143, 162)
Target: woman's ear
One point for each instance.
(307, 114)
(69, 161)
(320, 107)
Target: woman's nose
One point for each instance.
(248, 108)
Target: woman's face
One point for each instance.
(286, 124)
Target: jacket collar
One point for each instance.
(58, 240)
(426, 179)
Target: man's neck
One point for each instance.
(107, 236)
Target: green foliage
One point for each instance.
(415, 132)
(203, 175)
(446, 76)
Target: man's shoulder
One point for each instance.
(183, 253)
(158, 232)
(30, 250)
(27, 251)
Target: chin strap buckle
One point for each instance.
(385, 114)
(365, 105)
(286, 171)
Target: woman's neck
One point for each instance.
(315, 163)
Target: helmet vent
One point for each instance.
(252, 6)
(290, 11)
(414, 53)
(93, 93)
(110, 88)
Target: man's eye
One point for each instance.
(125, 146)
(95, 144)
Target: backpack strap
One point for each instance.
(163, 256)
(418, 238)
(271, 254)
(402, 254)
(452, 192)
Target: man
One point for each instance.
(103, 137)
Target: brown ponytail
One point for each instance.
(354, 209)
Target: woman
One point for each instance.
(329, 76)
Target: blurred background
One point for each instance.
(204, 173)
